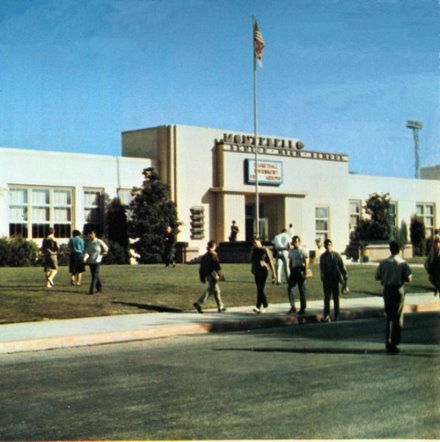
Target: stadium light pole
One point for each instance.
(416, 126)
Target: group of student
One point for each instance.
(90, 252)
(291, 258)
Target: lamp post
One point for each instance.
(416, 126)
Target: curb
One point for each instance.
(219, 326)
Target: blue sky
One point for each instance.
(341, 75)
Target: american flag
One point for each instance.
(258, 44)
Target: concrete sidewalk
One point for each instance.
(32, 336)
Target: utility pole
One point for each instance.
(416, 126)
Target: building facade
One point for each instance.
(39, 189)
(211, 176)
(213, 170)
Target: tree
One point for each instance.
(116, 222)
(377, 226)
(116, 228)
(151, 211)
(417, 235)
(402, 235)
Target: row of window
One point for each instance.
(32, 210)
(425, 211)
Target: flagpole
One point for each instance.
(257, 204)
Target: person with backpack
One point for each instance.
(210, 271)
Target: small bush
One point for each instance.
(63, 255)
(18, 252)
(4, 251)
(117, 254)
(417, 233)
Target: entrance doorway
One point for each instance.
(251, 223)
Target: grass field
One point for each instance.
(152, 288)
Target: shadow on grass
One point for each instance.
(38, 288)
(421, 287)
(150, 307)
(336, 351)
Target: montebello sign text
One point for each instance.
(249, 140)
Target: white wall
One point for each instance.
(323, 182)
(63, 169)
(406, 191)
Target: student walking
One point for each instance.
(210, 271)
(261, 264)
(333, 273)
(169, 247)
(281, 244)
(393, 273)
(299, 272)
(50, 257)
(76, 262)
(94, 252)
(432, 265)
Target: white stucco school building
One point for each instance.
(210, 172)
(39, 189)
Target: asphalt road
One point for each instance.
(308, 381)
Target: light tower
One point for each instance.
(415, 126)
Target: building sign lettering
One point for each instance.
(269, 172)
(249, 140)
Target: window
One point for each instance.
(322, 223)
(33, 210)
(18, 212)
(93, 210)
(426, 212)
(125, 196)
(355, 214)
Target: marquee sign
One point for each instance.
(269, 172)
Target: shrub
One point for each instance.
(63, 255)
(117, 254)
(19, 252)
(417, 234)
(4, 251)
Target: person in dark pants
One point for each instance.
(94, 252)
(333, 273)
(432, 265)
(261, 264)
(234, 232)
(210, 271)
(169, 247)
(393, 273)
(76, 263)
(50, 254)
(299, 272)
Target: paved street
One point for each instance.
(304, 381)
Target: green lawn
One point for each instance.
(151, 288)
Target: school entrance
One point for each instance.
(271, 216)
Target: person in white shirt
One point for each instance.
(281, 244)
(94, 252)
(299, 270)
(393, 273)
